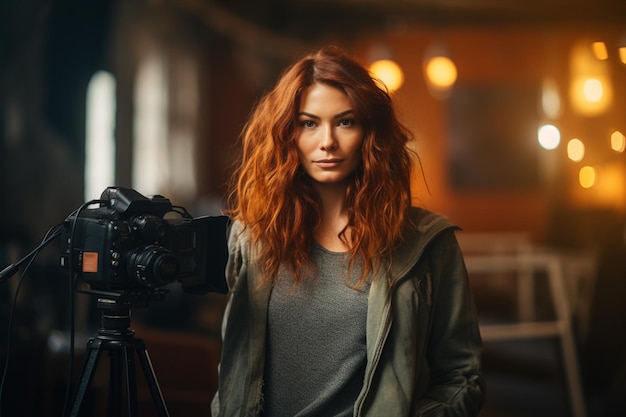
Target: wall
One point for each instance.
(505, 59)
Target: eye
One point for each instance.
(346, 122)
(308, 124)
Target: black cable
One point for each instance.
(52, 234)
(8, 272)
(70, 366)
(182, 211)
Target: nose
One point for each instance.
(328, 141)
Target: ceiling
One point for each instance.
(309, 16)
(285, 27)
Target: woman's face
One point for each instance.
(329, 138)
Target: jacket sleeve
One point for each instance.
(232, 272)
(454, 349)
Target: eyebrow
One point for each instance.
(337, 116)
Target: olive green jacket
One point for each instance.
(423, 341)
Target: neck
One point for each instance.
(333, 198)
(334, 216)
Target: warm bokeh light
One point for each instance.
(593, 90)
(550, 99)
(389, 73)
(587, 176)
(575, 150)
(549, 136)
(599, 50)
(622, 54)
(618, 141)
(603, 187)
(441, 72)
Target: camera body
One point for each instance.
(128, 244)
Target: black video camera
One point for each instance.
(128, 244)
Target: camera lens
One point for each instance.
(152, 266)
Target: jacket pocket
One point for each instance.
(424, 287)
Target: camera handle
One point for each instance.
(121, 344)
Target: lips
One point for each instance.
(328, 163)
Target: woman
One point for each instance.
(345, 300)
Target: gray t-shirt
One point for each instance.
(316, 351)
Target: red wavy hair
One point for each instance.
(276, 201)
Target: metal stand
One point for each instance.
(121, 344)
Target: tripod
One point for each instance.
(121, 344)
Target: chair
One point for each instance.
(513, 254)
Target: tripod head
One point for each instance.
(128, 298)
(116, 308)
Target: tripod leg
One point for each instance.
(122, 374)
(131, 380)
(114, 404)
(91, 361)
(148, 370)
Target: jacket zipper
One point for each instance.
(433, 231)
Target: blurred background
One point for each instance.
(517, 107)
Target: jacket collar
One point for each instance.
(428, 225)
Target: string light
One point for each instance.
(440, 71)
(575, 150)
(549, 136)
(390, 73)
